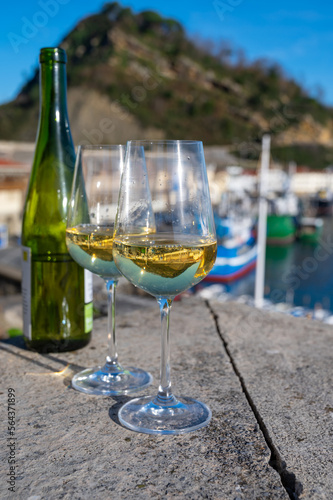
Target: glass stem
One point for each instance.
(112, 356)
(165, 396)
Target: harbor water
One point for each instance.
(299, 274)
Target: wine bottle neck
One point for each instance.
(54, 133)
(53, 105)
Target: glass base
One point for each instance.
(151, 416)
(111, 380)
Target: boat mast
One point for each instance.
(262, 222)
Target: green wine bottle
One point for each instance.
(57, 292)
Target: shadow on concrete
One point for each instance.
(17, 341)
(5, 345)
(119, 402)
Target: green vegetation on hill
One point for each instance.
(148, 65)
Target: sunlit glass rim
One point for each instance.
(144, 142)
(100, 146)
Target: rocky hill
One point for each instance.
(139, 75)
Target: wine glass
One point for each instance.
(89, 238)
(164, 243)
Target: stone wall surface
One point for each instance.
(286, 367)
(265, 377)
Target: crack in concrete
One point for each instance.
(288, 479)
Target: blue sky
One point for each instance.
(297, 34)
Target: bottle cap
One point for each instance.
(52, 54)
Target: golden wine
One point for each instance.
(91, 246)
(166, 264)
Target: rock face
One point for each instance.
(109, 123)
(307, 132)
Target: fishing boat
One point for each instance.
(236, 250)
(322, 202)
(3, 236)
(309, 229)
(282, 219)
(281, 229)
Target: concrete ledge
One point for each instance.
(70, 445)
(286, 368)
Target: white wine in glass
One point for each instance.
(165, 242)
(89, 238)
